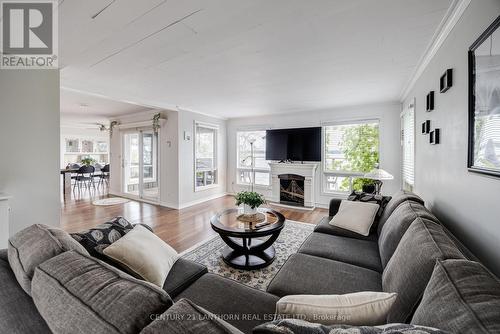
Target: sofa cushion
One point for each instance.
(182, 275)
(80, 294)
(143, 253)
(358, 308)
(470, 293)
(96, 239)
(289, 326)
(325, 227)
(410, 268)
(357, 217)
(244, 307)
(395, 201)
(310, 275)
(34, 245)
(382, 201)
(185, 317)
(18, 314)
(396, 226)
(361, 253)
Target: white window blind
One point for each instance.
(408, 147)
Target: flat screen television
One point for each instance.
(300, 144)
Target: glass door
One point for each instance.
(149, 166)
(140, 164)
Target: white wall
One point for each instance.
(467, 203)
(187, 195)
(80, 132)
(176, 158)
(29, 146)
(387, 114)
(168, 155)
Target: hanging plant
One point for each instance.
(111, 126)
(156, 122)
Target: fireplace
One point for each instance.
(291, 189)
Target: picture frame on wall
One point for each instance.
(430, 101)
(446, 81)
(484, 103)
(426, 127)
(435, 136)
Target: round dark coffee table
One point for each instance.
(247, 246)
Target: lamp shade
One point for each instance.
(378, 174)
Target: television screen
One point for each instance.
(302, 144)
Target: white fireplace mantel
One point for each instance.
(307, 170)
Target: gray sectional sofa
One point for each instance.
(399, 256)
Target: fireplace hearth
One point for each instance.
(291, 189)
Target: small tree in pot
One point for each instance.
(250, 200)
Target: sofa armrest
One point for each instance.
(334, 206)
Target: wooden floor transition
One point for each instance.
(181, 229)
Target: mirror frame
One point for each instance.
(472, 101)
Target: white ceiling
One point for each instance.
(81, 104)
(234, 58)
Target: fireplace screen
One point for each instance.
(291, 189)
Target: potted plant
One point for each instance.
(250, 200)
(87, 161)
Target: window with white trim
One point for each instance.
(408, 147)
(351, 149)
(261, 170)
(205, 155)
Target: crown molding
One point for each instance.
(453, 14)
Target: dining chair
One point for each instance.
(84, 175)
(104, 176)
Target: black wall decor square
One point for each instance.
(426, 127)
(430, 101)
(446, 81)
(434, 136)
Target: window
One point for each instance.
(408, 147)
(205, 155)
(261, 173)
(350, 150)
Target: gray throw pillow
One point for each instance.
(295, 326)
(34, 245)
(461, 297)
(411, 266)
(185, 317)
(396, 226)
(80, 294)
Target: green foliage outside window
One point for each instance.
(361, 150)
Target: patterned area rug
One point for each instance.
(209, 254)
(110, 201)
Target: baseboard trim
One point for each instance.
(200, 201)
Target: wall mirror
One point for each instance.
(484, 102)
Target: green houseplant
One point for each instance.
(251, 200)
(87, 161)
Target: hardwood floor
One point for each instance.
(181, 229)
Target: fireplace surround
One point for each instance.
(295, 182)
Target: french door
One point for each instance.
(140, 164)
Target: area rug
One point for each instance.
(110, 201)
(208, 253)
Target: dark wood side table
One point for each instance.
(247, 246)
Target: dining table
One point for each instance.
(66, 173)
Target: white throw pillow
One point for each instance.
(355, 216)
(357, 309)
(143, 253)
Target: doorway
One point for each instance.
(140, 164)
